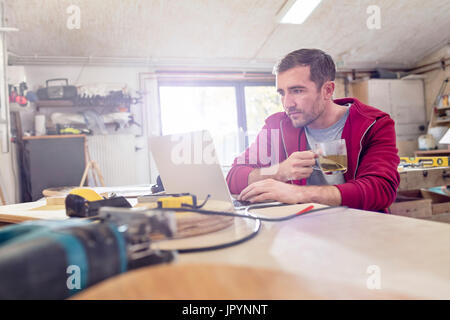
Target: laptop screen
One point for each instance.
(188, 163)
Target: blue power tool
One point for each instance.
(56, 259)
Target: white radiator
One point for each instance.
(116, 158)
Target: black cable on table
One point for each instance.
(224, 245)
(247, 216)
(237, 215)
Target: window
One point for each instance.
(194, 108)
(260, 102)
(227, 109)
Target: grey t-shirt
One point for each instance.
(314, 136)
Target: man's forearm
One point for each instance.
(329, 195)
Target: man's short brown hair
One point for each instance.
(322, 67)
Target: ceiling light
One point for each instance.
(297, 11)
(8, 29)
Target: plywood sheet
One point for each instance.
(212, 281)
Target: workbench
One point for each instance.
(432, 153)
(417, 178)
(340, 253)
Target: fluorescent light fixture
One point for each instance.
(297, 11)
(8, 29)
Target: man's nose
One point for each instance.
(288, 101)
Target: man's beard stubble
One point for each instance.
(303, 123)
(306, 121)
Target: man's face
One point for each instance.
(300, 97)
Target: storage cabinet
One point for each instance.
(50, 161)
(404, 100)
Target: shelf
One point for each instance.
(432, 153)
(59, 136)
(437, 109)
(68, 103)
(54, 103)
(443, 120)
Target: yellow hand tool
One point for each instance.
(425, 162)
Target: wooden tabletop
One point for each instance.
(337, 254)
(334, 254)
(202, 281)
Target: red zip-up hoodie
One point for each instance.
(371, 180)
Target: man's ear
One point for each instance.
(328, 90)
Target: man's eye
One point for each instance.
(297, 91)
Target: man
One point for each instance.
(305, 82)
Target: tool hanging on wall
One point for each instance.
(118, 98)
(18, 95)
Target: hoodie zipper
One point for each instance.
(284, 145)
(282, 138)
(360, 148)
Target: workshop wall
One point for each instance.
(339, 90)
(9, 181)
(86, 75)
(433, 79)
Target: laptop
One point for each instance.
(188, 162)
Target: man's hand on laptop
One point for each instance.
(270, 189)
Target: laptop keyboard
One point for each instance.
(238, 203)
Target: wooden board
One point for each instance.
(188, 223)
(126, 191)
(57, 192)
(192, 224)
(21, 212)
(413, 209)
(211, 282)
(199, 281)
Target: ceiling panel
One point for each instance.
(239, 30)
(123, 28)
(409, 30)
